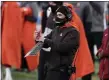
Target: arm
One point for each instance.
(29, 13)
(103, 53)
(85, 11)
(34, 6)
(70, 42)
(26, 10)
(106, 51)
(47, 41)
(100, 52)
(43, 21)
(86, 15)
(106, 42)
(97, 6)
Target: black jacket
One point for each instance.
(64, 43)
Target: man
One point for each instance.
(103, 55)
(12, 26)
(91, 14)
(87, 67)
(63, 42)
(94, 27)
(11, 39)
(46, 30)
(30, 16)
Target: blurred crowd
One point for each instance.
(19, 21)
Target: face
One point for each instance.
(60, 15)
(60, 19)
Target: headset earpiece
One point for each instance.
(69, 15)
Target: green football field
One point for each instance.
(33, 75)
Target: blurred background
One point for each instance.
(19, 20)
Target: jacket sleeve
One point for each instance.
(68, 44)
(104, 47)
(34, 7)
(47, 41)
(30, 18)
(97, 6)
(106, 41)
(106, 51)
(101, 48)
(99, 51)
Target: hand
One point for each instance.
(100, 54)
(37, 35)
(41, 39)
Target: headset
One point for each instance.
(69, 15)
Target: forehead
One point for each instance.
(60, 15)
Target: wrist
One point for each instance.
(48, 41)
